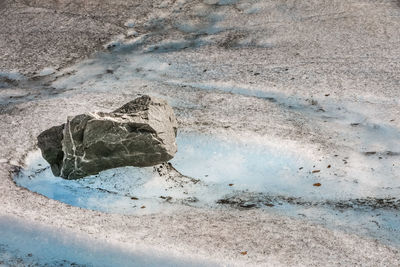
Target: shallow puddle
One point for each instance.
(208, 168)
(223, 172)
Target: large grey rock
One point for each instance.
(140, 133)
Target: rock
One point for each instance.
(49, 142)
(140, 133)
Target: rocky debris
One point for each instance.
(258, 200)
(171, 174)
(141, 133)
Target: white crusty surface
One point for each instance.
(319, 77)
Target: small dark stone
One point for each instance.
(248, 205)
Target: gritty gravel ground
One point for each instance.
(328, 71)
(39, 34)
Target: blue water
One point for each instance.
(216, 161)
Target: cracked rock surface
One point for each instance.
(140, 133)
